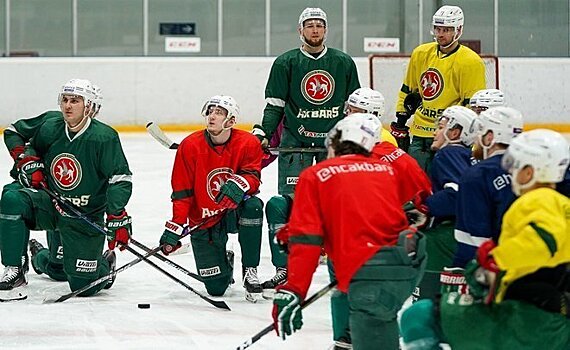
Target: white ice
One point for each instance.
(177, 317)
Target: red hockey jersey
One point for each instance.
(351, 204)
(411, 177)
(201, 168)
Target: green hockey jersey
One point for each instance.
(88, 168)
(309, 92)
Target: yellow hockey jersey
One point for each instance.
(535, 233)
(442, 80)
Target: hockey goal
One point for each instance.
(387, 73)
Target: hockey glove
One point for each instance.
(416, 211)
(232, 192)
(400, 131)
(17, 152)
(484, 257)
(412, 102)
(481, 282)
(119, 230)
(170, 239)
(260, 133)
(282, 238)
(31, 172)
(287, 316)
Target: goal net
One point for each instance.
(387, 73)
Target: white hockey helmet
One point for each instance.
(226, 102)
(361, 128)
(487, 98)
(546, 151)
(79, 87)
(448, 16)
(312, 13)
(371, 101)
(505, 123)
(459, 117)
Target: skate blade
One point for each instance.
(253, 297)
(12, 295)
(268, 294)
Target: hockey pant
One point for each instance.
(420, 150)
(291, 164)
(24, 209)
(50, 260)
(209, 245)
(440, 247)
(466, 324)
(377, 292)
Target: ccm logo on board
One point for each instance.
(181, 44)
(382, 45)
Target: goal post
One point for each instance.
(387, 71)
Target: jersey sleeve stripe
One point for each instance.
(547, 237)
(468, 239)
(277, 102)
(306, 239)
(182, 194)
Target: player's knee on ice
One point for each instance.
(418, 326)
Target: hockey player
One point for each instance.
(452, 144)
(484, 191)
(368, 243)
(306, 90)
(485, 99)
(520, 284)
(214, 181)
(84, 163)
(440, 74)
(48, 260)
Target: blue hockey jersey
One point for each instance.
(485, 195)
(448, 164)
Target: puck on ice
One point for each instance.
(144, 306)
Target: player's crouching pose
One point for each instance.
(377, 260)
(520, 285)
(214, 178)
(44, 260)
(82, 160)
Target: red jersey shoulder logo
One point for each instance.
(216, 179)
(317, 86)
(431, 83)
(66, 171)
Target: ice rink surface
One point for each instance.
(177, 318)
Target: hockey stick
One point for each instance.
(140, 257)
(304, 304)
(167, 261)
(158, 134)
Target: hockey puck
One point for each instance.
(144, 306)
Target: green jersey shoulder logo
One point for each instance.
(317, 86)
(66, 171)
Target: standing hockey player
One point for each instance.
(214, 181)
(307, 87)
(484, 192)
(377, 259)
(452, 144)
(16, 136)
(80, 159)
(440, 74)
(519, 285)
